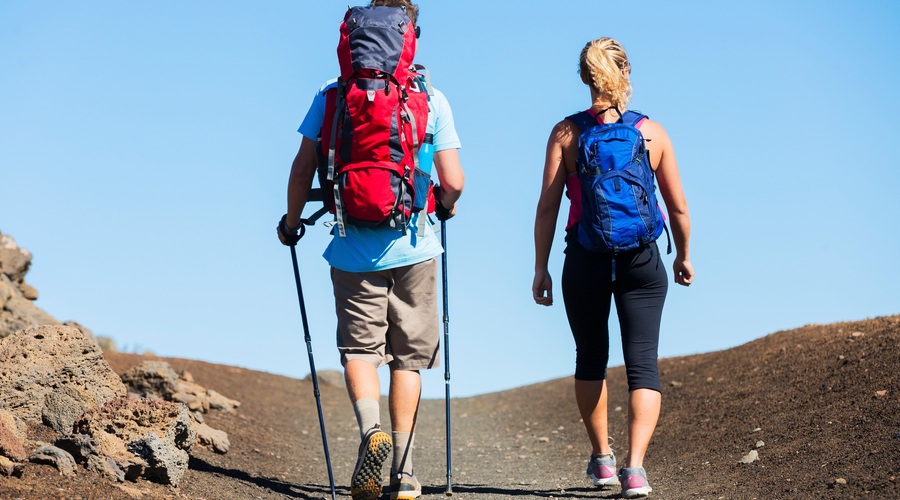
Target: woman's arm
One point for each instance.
(670, 187)
(552, 186)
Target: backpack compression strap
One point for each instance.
(338, 203)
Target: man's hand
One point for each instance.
(440, 211)
(288, 236)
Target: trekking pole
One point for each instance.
(449, 490)
(312, 362)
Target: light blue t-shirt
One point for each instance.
(373, 249)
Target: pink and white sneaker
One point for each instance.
(634, 482)
(602, 470)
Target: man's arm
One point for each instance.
(450, 175)
(303, 169)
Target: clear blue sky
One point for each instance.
(145, 150)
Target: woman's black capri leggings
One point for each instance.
(640, 290)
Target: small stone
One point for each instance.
(841, 481)
(675, 383)
(751, 457)
(880, 394)
(757, 429)
(543, 439)
(56, 457)
(760, 444)
(28, 291)
(10, 468)
(857, 335)
(214, 438)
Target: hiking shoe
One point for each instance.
(407, 487)
(602, 470)
(367, 478)
(634, 482)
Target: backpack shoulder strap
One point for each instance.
(583, 119)
(632, 118)
(424, 78)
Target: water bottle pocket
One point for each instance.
(422, 185)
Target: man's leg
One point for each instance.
(361, 306)
(365, 392)
(413, 339)
(406, 386)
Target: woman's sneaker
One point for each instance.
(634, 482)
(602, 470)
(405, 487)
(367, 479)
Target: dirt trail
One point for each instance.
(819, 404)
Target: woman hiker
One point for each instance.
(590, 279)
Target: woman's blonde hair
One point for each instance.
(605, 68)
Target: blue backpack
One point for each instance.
(620, 211)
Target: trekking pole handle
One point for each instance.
(291, 235)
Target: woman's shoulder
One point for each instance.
(565, 132)
(653, 130)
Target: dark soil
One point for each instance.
(819, 404)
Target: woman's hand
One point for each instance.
(684, 271)
(542, 288)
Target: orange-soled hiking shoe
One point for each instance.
(405, 487)
(367, 479)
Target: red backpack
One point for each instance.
(375, 121)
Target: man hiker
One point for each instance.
(385, 290)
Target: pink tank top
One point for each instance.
(573, 185)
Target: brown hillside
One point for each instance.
(819, 404)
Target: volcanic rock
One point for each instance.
(52, 374)
(145, 437)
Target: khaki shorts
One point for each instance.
(388, 317)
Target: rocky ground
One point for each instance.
(818, 405)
